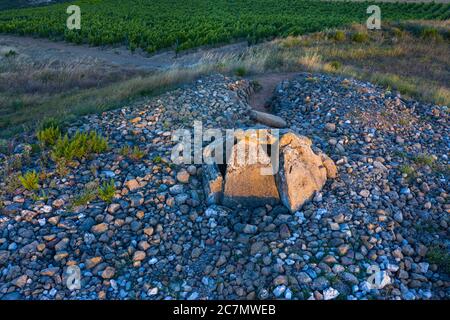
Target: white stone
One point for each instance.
(330, 294)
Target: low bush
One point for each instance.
(107, 191)
(80, 146)
(30, 180)
(49, 136)
(360, 37)
(339, 36)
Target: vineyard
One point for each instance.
(182, 24)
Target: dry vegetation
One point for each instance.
(410, 57)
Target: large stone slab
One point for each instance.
(247, 182)
(302, 172)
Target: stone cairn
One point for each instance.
(301, 173)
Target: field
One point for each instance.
(184, 24)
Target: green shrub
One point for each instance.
(431, 33)
(137, 154)
(107, 191)
(125, 151)
(30, 180)
(339, 36)
(157, 159)
(336, 65)
(84, 198)
(78, 147)
(408, 170)
(424, 160)
(49, 123)
(10, 53)
(360, 37)
(49, 136)
(440, 257)
(240, 71)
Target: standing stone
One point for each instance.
(302, 172)
(244, 183)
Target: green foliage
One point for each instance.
(424, 160)
(360, 37)
(408, 170)
(80, 146)
(30, 180)
(107, 191)
(134, 154)
(240, 71)
(137, 154)
(441, 257)
(49, 136)
(336, 65)
(125, 151)
(432, 34)
(84, 198)
(157, 159)
(10, 53)
(184, 24)
(339, 36)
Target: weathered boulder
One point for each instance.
(248, 179)
(302, 172)
(268, 119)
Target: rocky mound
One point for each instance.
(159, 239)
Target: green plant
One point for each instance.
(338, 36)
(125, 151)
(431, 33)
(408, 170)
(107, 191)
(424, 160)
(439, 256)
(10, 53)
(49, 123)
(157, 159)
(79, 146)
(360, 37)
(336, 65)
(136, 154)
(85, 197)
(49, 136)
(30, 180)
(240, 71)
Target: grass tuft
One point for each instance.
(107, 191)
(30, 180)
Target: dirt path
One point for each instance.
(260, 100)
(43, 49)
